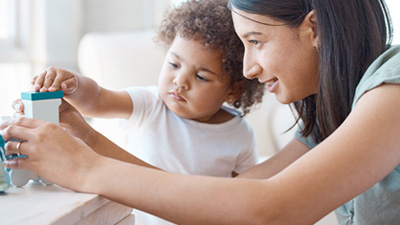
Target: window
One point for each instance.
(394, 8)
(6, 8)
(177, 2)
(14, 66)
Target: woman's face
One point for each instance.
(283, 58)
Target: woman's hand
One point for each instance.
(73, 122)
(52, 153)
(70, 119)
(54, 79)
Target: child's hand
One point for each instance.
(54, 79)
(18, 106)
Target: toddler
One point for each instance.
(181, 125)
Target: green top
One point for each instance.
(31, 95)
(381, 203)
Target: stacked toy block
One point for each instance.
(37, 105)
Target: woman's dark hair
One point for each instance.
(210, 22)
(351, 35)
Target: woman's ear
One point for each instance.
(309, 25)
(236, 92)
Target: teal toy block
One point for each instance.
(4, 176)
(42, 105)
(35, 96)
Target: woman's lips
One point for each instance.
(272, 84)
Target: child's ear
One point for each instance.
(236, 92)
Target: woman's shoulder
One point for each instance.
(385, 69)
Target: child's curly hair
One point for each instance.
(210, 22)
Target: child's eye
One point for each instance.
(175, 66)
(198, 76)
(254, 42)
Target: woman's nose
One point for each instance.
(251, 69)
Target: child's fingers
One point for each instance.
(39, 80)
(34, 79)
(64, 81)
(48, 79)
(69, 86)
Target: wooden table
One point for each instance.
(36, 203)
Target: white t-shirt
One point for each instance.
(167, 141)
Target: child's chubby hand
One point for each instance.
(55, 79)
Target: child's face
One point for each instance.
(192, 83)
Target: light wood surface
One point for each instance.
(37, 203)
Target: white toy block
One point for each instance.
(21, 177)
(42, 106)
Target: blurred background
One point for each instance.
(35, 34)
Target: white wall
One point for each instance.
(59, 25)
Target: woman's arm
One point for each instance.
(276, 163)
(73, 122)
(362, 151)
(359, 154)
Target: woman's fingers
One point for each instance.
(14, 146)
(15, 164)
(19, 122)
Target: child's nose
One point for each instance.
(181, 81)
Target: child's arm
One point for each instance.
(85, 94)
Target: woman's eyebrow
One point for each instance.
(251, 33)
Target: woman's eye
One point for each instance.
(254, 42)
(175, 66)
(200, 77)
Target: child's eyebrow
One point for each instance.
(199, 68)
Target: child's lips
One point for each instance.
(176, 96)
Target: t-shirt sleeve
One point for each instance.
(307, 141)
(385, 69)
(145, 101)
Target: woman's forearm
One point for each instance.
(276, 163)
(182, 199)
(105, 147)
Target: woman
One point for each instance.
(332, 60)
